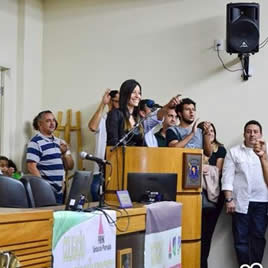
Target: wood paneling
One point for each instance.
(28, 234)
(144, 159)
(191, 254)
(191, 216)
(131, 220)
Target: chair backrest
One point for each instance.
(39, 191)
(80, 185)
(12, 193)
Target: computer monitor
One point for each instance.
(81, 185)
(163, 183)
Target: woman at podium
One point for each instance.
(120, 121)
(124, 125)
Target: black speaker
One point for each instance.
(242, 28)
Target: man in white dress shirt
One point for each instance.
(246, 194)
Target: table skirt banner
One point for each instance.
(84, 240)
(163, 235)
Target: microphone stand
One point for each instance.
(101, 189)
(125, 137)
(123, 142)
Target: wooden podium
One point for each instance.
(161, 160)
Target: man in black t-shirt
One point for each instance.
(169, 121)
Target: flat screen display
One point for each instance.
(163, 183)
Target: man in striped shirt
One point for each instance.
(48, 156)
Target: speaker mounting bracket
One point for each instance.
(244, 58)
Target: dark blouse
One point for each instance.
(221, 152)
(115, 127)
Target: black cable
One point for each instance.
(264, 41)
(244, 70)
(118, 209)
(111, 221)
(224, 66)
(263, 44)
(117, 166)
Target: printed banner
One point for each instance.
(83, 240)
(163, 235)
(163, 249)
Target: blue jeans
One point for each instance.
(249, 233)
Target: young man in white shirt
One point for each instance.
(97, 125)
(246, 194)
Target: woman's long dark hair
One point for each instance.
(201, 125)
(126, 90)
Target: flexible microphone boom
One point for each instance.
(91, 157)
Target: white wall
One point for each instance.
(8, 58)
(30, 45)
(21, 51)
(167, 46)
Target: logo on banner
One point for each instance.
(253, 265)
(101, 240)
(174, 246)
(101, 232)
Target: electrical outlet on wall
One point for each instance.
(219, 45)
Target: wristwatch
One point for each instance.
(228, 200)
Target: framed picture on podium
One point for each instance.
(124, 258)
(192, 170)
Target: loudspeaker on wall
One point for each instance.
(242, 28)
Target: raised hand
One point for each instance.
(106, 97)
(174, 101)
(206, 127)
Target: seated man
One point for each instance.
(48, 156)
(170, 120)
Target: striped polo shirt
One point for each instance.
(45, 151)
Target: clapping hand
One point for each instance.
(63, 147)
(195, 126)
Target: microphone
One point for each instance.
(90, 157)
